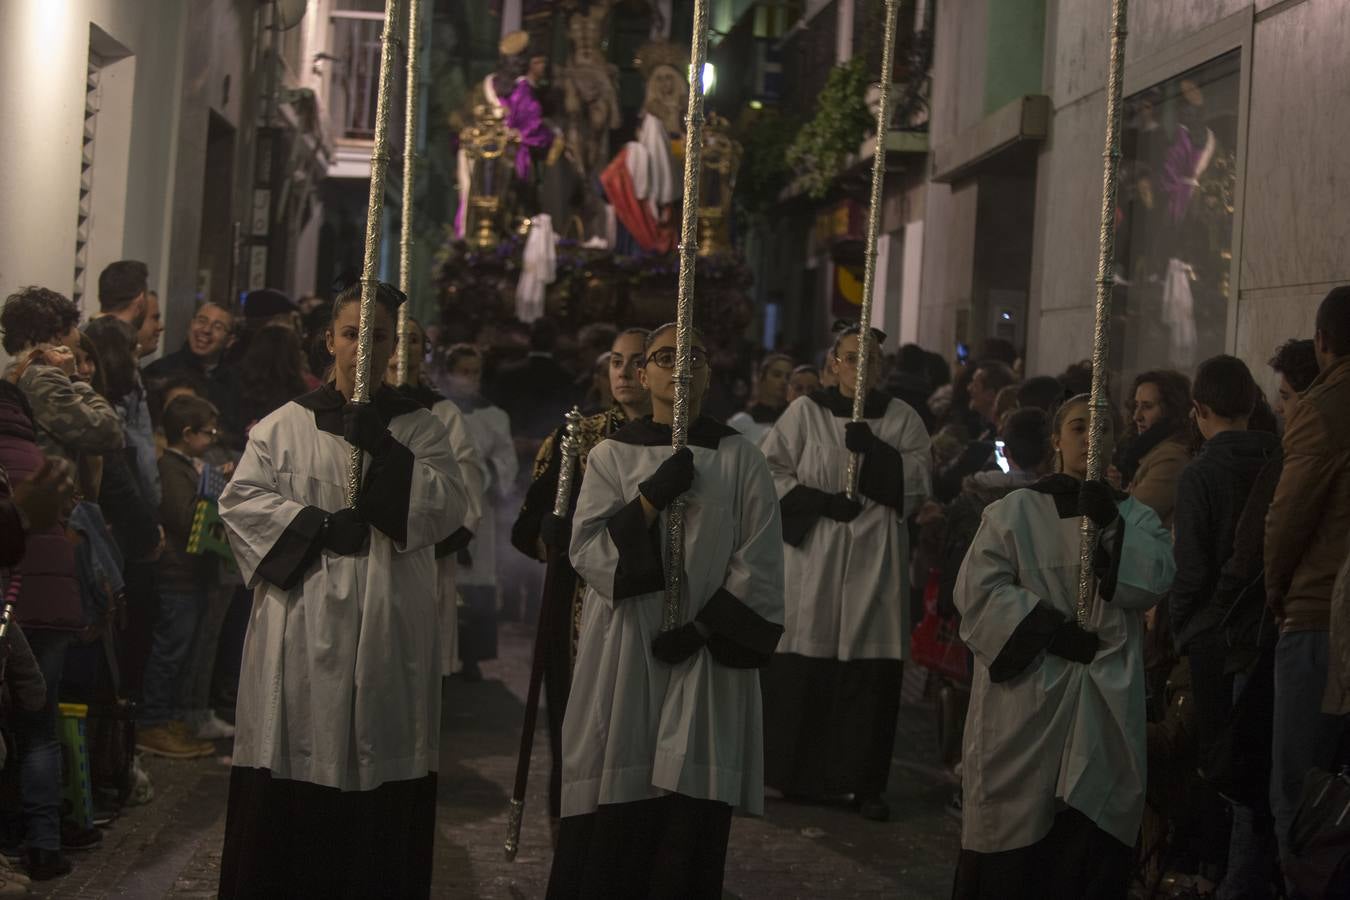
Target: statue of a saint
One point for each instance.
(590, 91)
(663, 65)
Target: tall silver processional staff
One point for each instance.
(684, 306)
(1106, 246)
(379, 166)
(410, 116)
(873, 229)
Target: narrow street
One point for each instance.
(171, 847)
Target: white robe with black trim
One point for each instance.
(847, 582)
(1051, 732)
(340, 683)
(635, 726)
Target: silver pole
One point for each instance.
(684, 307)
(873, 230)
(1101, 336)
(379, 166)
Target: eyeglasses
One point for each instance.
(665, 358)
(215, 325)
(848, 358)
(209, 432)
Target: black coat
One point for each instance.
(1211, 495)
(222, 384)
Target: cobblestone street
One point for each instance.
(171, 848)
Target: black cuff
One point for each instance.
(640, 570)
(801, 508)
(539, 497)
(1106, 562)
(457, 541)
(883, 475)
(388, 486)
(295, 551)
(741, 638)
(1030, 638)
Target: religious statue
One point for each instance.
(663, 66)
(590, 91)
(510, 96)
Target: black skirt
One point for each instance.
(668, 847)
(1075, 860)
(829, 725)
(288, 838)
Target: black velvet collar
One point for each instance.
(326, 402)
(705, 432)
(425, 396)
(764, 415)
(874, 407)
(1064, 488)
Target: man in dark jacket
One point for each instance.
(210, 334)
(1305, 545)
(1212, 492)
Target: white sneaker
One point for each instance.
(212, 727)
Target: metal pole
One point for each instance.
(873, 230)
(1101, 338)
(379, 166)
(684, 306)
(562, 500)
(410, 111)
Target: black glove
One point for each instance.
(1097, 501)
(346, 534)
(363, 427)
(842, 508)
(858, 437)
(678, 644)
(1074, 643)
(555, 532)
(673, 478)
(457, 541)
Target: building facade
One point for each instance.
(1228, 230)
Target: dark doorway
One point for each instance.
(215, 252)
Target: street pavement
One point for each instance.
(171, 847)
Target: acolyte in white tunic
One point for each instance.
(637, 727)
(1052, 732)
(448, 574)
(490, 428)
(847, 582)
(341, 682)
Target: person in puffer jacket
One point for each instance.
(49, 609)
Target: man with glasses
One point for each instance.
(210, 334)
(832, 692)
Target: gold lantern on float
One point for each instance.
(721, 161)
(491, 149)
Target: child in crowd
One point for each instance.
(190, 427)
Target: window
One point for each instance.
(1174, 225)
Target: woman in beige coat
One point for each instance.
(1151, 459)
